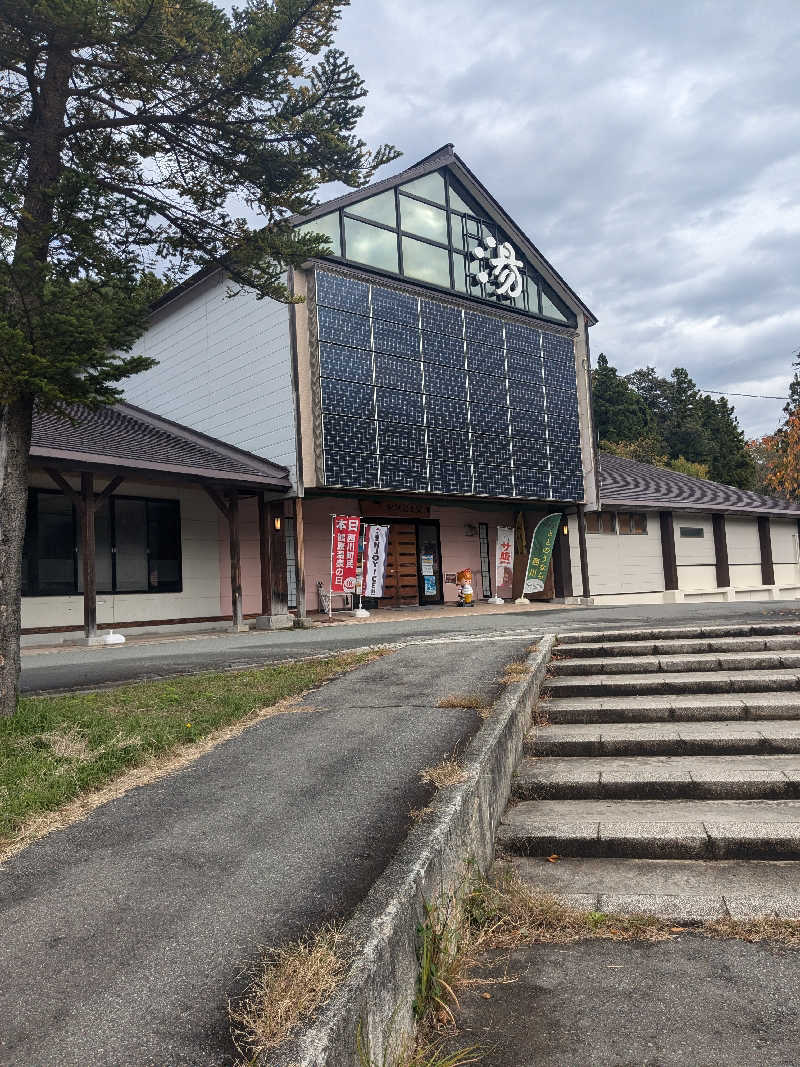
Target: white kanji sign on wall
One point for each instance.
(505, 274)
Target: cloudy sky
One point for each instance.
(651, 151)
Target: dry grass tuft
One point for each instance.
(768, 928)
(292, 983)
(468, 701)
(65, 744)
(515, 671)
(448, 772)
(420, 813)
(506, 913)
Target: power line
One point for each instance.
(752, 396)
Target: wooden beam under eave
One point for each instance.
(668, 557)
(721, 551)
(765, 545)
(234, 540)
(584, 553)
(88, 556)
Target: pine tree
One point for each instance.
(126, 127)
(730, 462)
(619, 415)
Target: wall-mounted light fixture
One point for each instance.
(565, 529)
(277, 522)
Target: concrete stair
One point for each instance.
(668, 777)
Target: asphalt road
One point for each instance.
(84, 667)
(124, 934)
(691, 1002)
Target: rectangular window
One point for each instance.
(692, 531)
(427, 262)
(601, 522)
(137, 546)
(370, 244)
(632, 522)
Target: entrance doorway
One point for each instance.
(413, 565)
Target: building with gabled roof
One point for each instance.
(433, 378)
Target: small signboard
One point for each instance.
(344, 553)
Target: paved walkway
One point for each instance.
(71, 667)
(691, 1002)
(124, 934)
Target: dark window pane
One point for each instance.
(369, 244)
(423, 219)
(163, 525)
(550, 310)
(431, 187)
(328, 226)
(56, 544)
(380, 208)
(130, 524)
(624, 522)
(426, 262)
(29, 548)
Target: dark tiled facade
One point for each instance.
(425, 396)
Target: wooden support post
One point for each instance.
(265, 555)
(237, 611)
(87, 506)
(280, 581)
(300, 557)
(721, 552)
(765, 544)
(583, 551)
(562, 562)
(668, 556)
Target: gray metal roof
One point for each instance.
(125, 439)
(626, 483)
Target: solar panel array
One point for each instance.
(426, 396)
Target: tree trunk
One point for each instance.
(15, 441)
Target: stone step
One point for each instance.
(697, 662)
(722, 737)
(630, 707)
(712, 681)
(681, 633)
(688, 646)
(775, 777)
(654, 829)
(690, 891)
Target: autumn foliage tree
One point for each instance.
(129, 132)
(777, 457)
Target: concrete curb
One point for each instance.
(378, 991)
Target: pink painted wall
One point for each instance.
(458, 550)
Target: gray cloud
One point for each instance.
(651, 152)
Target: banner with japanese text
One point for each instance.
(375, 542)
(344, 553)
(544, 537)
(504, 556)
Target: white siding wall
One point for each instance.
(695, 555)
(200, 552)
(619, 563)
(785, 554)
(224, 369)
(744, 551)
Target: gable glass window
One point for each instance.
(138, 546)
(428, 229)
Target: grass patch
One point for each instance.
(505, 913)
(448, 772)
(769, 928)
(516, 671)
(59, 749)
(291, 984)
(468, 701)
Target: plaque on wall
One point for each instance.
(408, 509)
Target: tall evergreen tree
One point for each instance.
(126, 127)
(619, 414)
(730, 462)
(684, 431)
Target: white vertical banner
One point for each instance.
(375, 542)
(504, 557)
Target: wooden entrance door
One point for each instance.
(401, 585)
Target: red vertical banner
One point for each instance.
(344, 553)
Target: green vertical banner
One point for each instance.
(544, 537)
